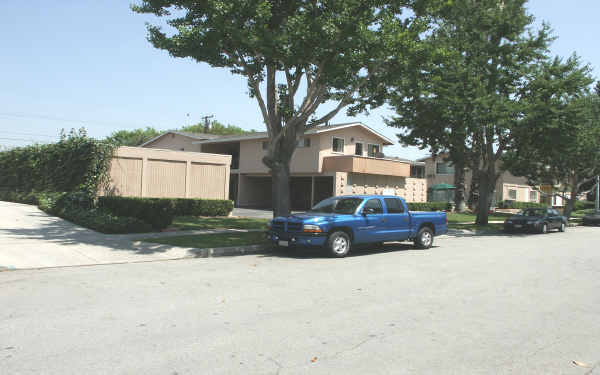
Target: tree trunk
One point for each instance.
(278, 161)
(487, 184)
(280, 188)
(483, 202)
(459, 193)
(573, 198)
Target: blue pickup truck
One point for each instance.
(340, 222)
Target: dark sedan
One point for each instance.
(592, 219)
(539, 220)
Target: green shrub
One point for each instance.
(157, 212)
(75, 163)
(104, 221)
(520, 205)
(160, 211)
(202, 207)
(584, 205)
(429, 206)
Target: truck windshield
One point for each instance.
(337, 205)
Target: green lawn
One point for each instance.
(582, 213)
(197, 222)
(213, 240)
(454, 218)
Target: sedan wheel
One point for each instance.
(562, 227)
(544, 229)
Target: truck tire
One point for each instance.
(339, 244)
(424, 239)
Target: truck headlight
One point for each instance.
(312, 228)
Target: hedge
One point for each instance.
(429, 206)
(78, 208)
(202, 207)
(75, 163)
(520, 205)
(159, 212)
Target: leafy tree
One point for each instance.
(217, 128)
(466, 101)
(332, 50)
(134, 137)
(558, 140)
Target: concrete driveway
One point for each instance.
(29, 238)
(473, 305)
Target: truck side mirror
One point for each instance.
(368, 211)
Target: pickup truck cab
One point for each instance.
(340, 222)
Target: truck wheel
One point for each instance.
(424, 238)
(338, 244)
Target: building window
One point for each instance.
(358, 149)
(338, 145)
(394, 206)
(303, 143)
(417, 171)
(372, 150)
(512, 194)
(265, 145)
(533, 196)
(444, 168)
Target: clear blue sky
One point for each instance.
(74, 63)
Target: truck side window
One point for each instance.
(374, 204)
(394, 206)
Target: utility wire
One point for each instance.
(32, 134)
(83, 122)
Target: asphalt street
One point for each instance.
(472, 305)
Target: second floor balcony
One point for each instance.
(367, 165)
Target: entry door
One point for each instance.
(373, 227)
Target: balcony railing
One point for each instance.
(367, 165)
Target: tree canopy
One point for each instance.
(296, 55)
(557, 142)
(465, 100)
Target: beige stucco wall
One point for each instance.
(351, 136)
(175, 142)
(365, 165)
(150, 172)
(304, 160)
(307, 159)
(522, 192)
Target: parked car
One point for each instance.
(592, 219)
(339, 223)
(539, 220)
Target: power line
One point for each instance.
(83, 122)
(32, 134)
(18, 139)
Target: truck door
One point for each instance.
(373, 225)
(397, 220)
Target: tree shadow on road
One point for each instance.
(358, 251)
